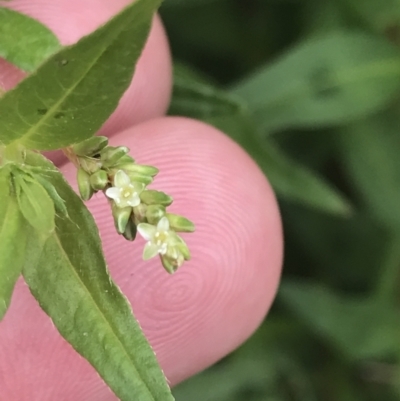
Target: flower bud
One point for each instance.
(184, 250)
(154, 213)
(171, 263)
(180, 223)
(90, 146)
(99, 180)
(130, 231)
(152, 197)
(121, 218)
(124, 160)
(111, 155)
(139, 213)
(85, 189)
(140, 169)
(144, 179)
(89, 165)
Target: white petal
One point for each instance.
(163, 224)
(150, 250)
(134, 200)
(121, 179)
(147, 231)
(113, 193)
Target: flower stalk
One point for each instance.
(108, 169)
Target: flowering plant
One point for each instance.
(47, 233)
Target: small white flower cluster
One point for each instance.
(125, 192)
(134, 208)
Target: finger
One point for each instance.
(149, 94)
(192, 318)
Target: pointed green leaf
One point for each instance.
(194, 97)
(296, 182)
(74, 92)
(13, 236)
(34, 202)
(59, 203)
(24, 41)
(327, 80)
(370, 152)
(73, 286)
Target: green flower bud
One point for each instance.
(90, 146)
(184, 250)
(152, 197)
(154, 213)
(85, 188)
(89, 165)
(125, 160)
(138, 168)
(144, 179)
(180, 223)
(130, 231)
(111, 155)
(171, 261)
(139, 213)
(121, 217)
(99, 180)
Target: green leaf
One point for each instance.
(326, 80)
(59, 203)
(360, 328)
(72, 285)
(74, 92)
(195, 97)
(291, 180)
(34, 202)
(296, 182)
(13, 235)
(24, 41)
(370, 154)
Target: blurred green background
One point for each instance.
(311, 89)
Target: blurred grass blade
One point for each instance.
(194, 97)
(72, 285)
(291, 180)
(355, 326)
(62, 102)
(24, 41)
(13, 235)
(296, 182)
(370, 153)
(327, 80)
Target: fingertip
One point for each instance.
(219, 298)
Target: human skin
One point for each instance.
(214, 302)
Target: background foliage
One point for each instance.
(311, 89)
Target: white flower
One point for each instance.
(159, 238)
(126, 192)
